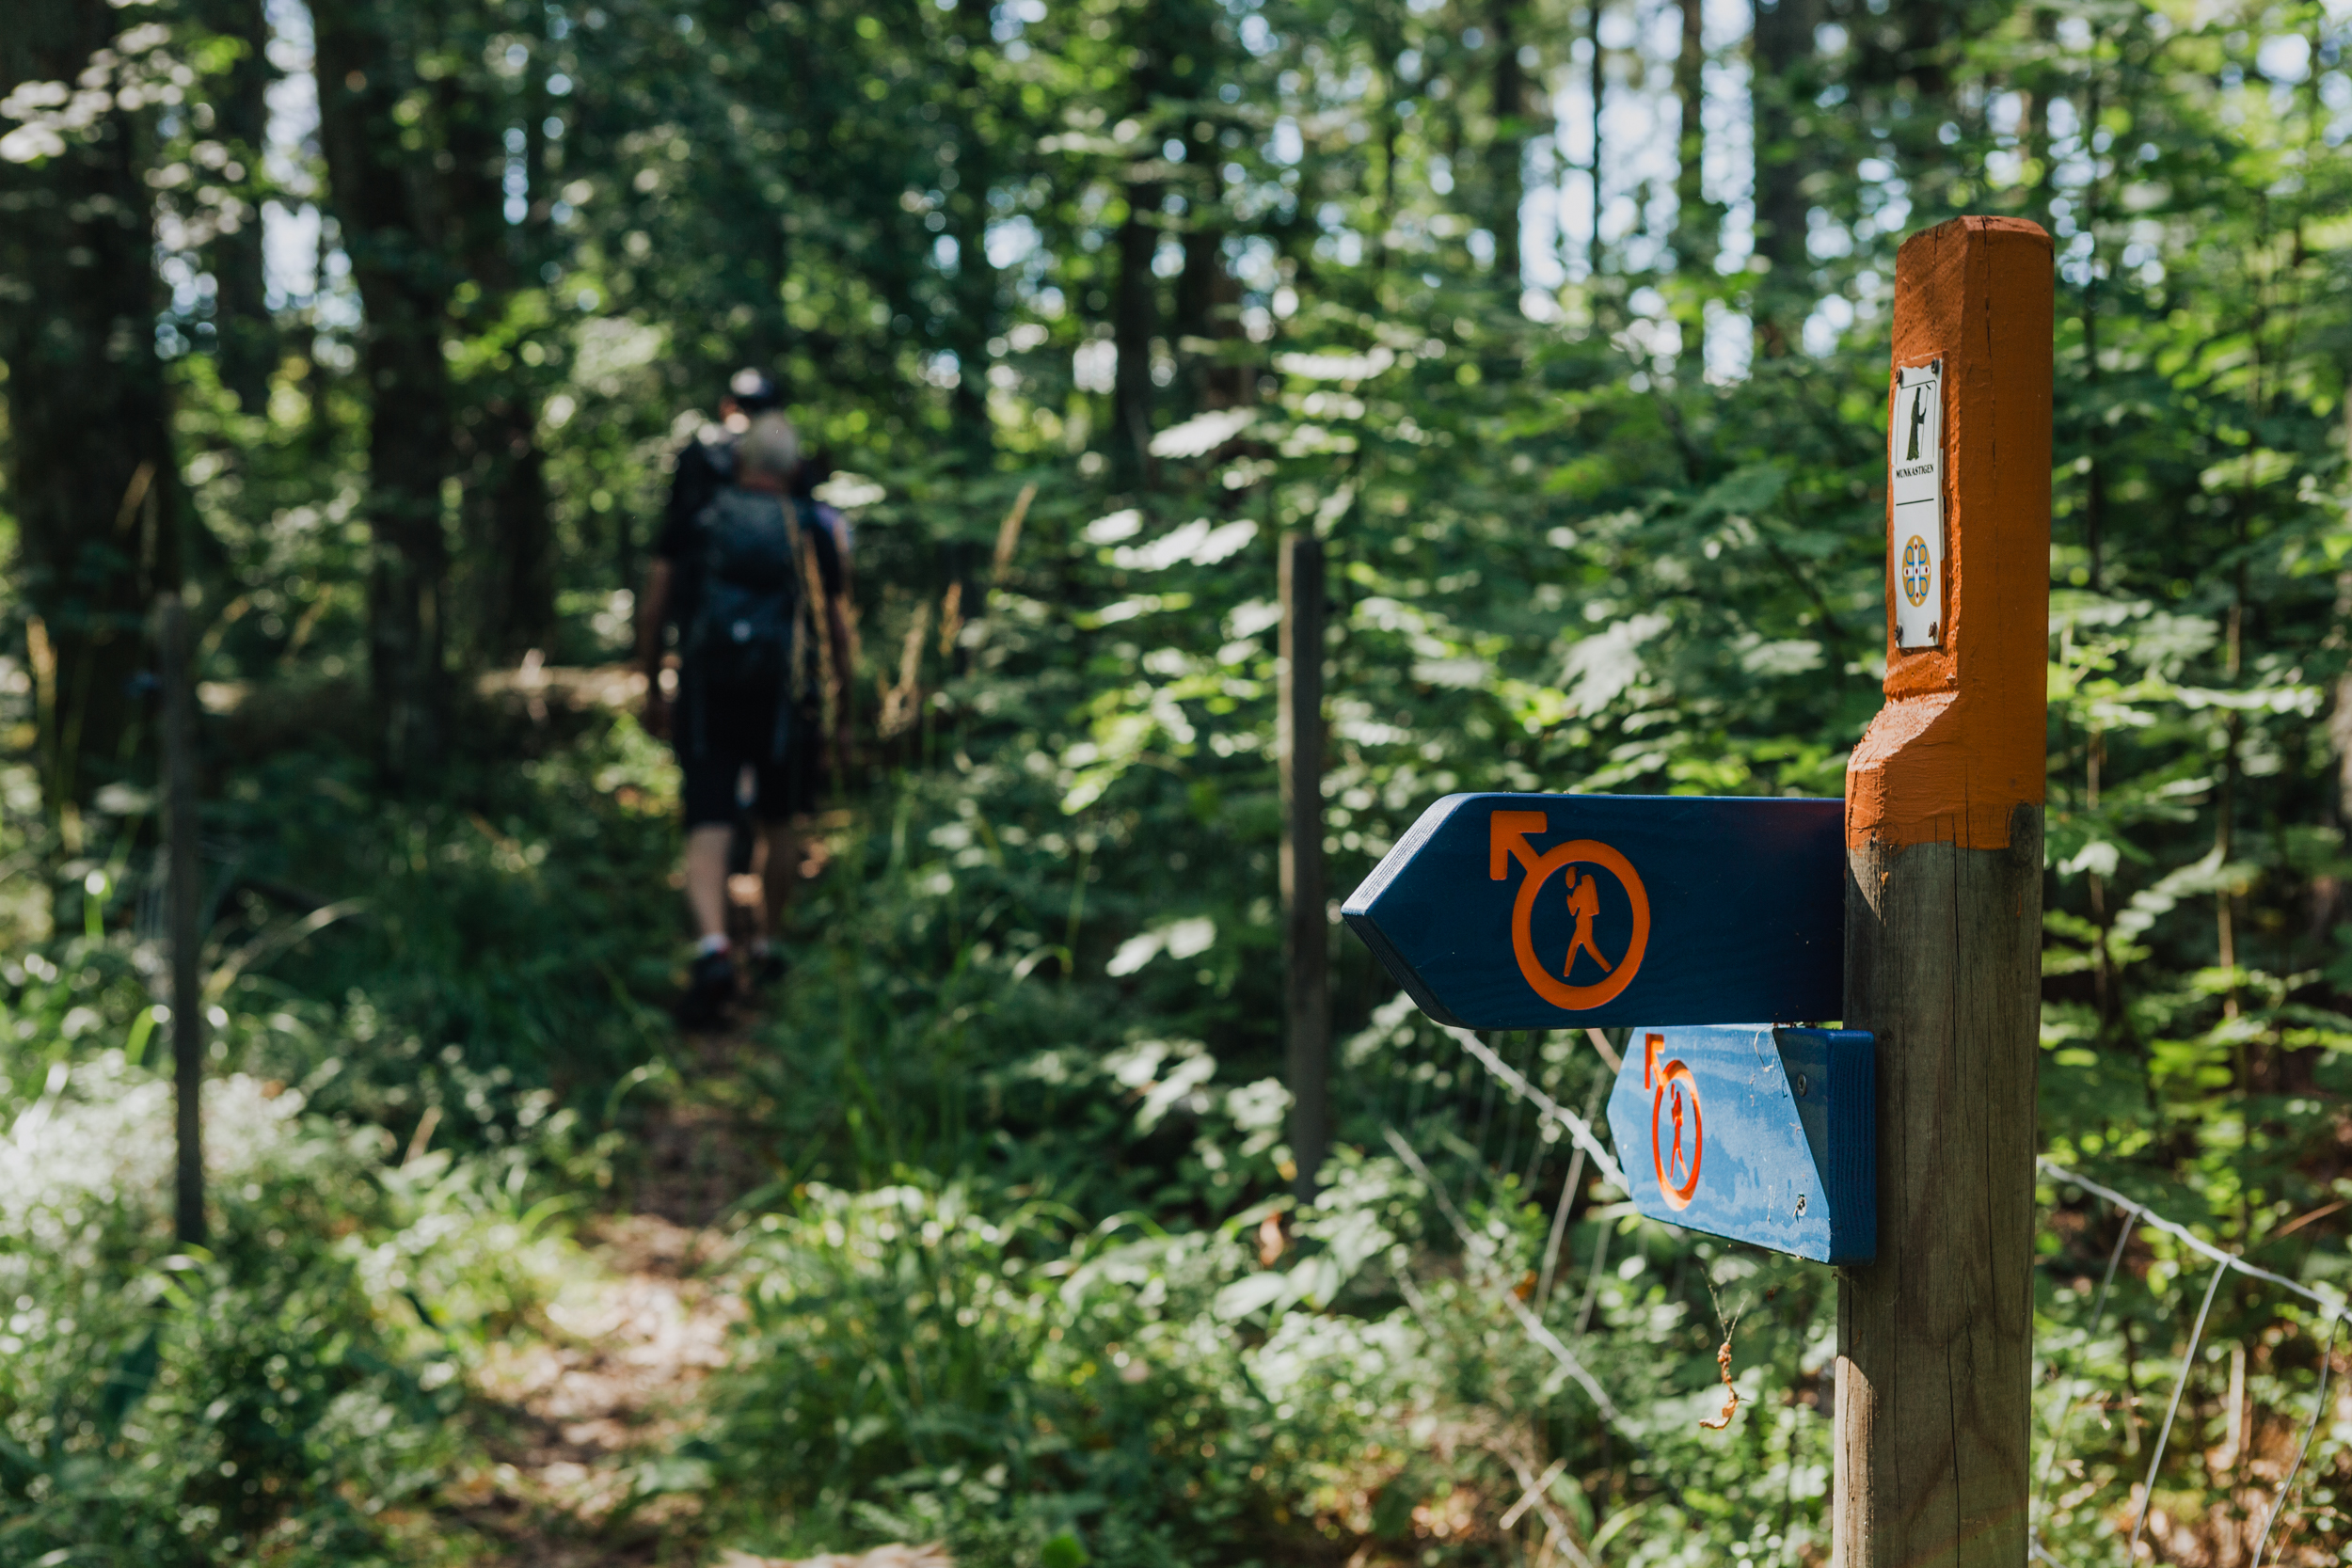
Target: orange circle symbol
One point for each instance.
(1678, 1084)
(1586, 851)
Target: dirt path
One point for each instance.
(589, 1407)
(588, 1404)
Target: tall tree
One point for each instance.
(1135, 294)
(1781, 44)
(91, 477)
(968, 156)
(1597, 92)
(1901, 71)
(1177, 48)
(508, 536)
(1506, 152)
(1206, 295)
(1697, 224)
(379, 169)
(245, 339)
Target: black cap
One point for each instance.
(753, 390)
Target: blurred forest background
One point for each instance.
(370, 327)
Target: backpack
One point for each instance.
(745, 627)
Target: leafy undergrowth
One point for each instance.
(292, 1394)
(977, 1231)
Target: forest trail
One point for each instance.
(595, 1397)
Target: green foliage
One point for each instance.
(287, 1395)
(1612, 524)
(917, 1368)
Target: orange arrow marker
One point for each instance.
(1507, 839)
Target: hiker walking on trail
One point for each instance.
(752, 578)
(706, 465)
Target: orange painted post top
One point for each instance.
(1960, 744)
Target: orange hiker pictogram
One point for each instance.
(1584, 903)
(1674, 1090)
(1507, 833)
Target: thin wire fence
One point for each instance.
(1488, 1274)
(2331, 1308)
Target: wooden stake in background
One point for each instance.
(1306, 926)
(1944, 918)
(182, 904)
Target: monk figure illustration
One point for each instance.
(1584, 903)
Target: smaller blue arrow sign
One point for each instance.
(1760, 1134)
(1538, 911)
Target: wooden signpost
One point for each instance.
(1306, 926)
(1901, 1146)
(1944, 919)
(182, 905)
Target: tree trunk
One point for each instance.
(92, 482)
(510, 537)
(508, 569)
(404, 284)
(244, 338)
(1902, 56)
(1208, 296)
(1506, 157)
(539, 154)
(1135, 296)
(1598, 89)
(965, 177)
(1782, 42)
(1696, 222)
(1135, 320)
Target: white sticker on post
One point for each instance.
(1915, 478)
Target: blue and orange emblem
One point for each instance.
(1507, 833)
(1916, 574)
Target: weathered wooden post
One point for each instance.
(1944, 915)
(183, 906)
(1306, 941)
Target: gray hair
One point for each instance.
(770, 447)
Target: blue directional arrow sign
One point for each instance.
(1761, 1135)
(1538, 911)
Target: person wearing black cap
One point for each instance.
(751, 574)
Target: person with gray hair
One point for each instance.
(752, 581)
(770, 448)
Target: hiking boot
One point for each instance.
(769, 968)
(709, 990)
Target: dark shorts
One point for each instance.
(743, 751)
